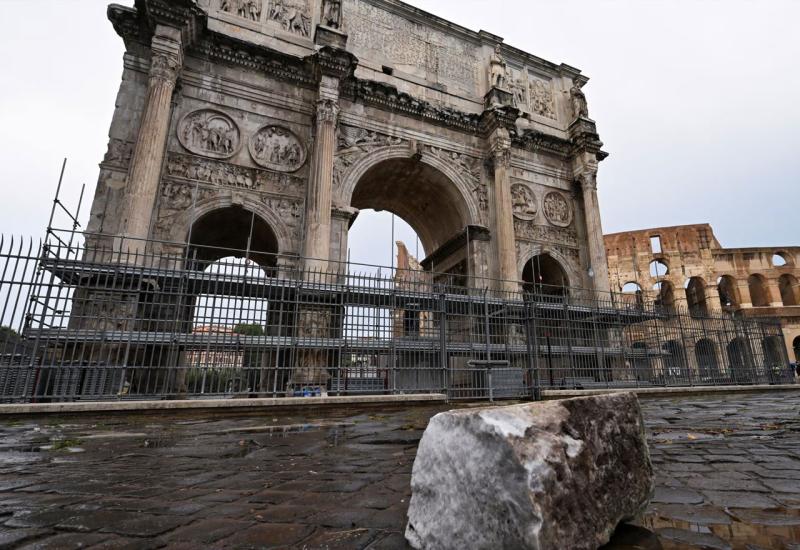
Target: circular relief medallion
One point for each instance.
(277, 148)
(210, 133)
(557, 209)
(523, 201)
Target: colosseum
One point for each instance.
(686, 267)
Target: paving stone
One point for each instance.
(720, 482)
(740, 499)
(270, 535)
(766, 517)
(783, 485)
(672, 495)
(699, 540)
(12, 538)
(698, 515)
(66, 541)
(145, 525)
(207, 531)
(47, 518)
(351, 539)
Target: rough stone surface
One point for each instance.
(560, 474)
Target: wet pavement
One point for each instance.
(728, 477)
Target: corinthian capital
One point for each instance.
(588, 181)
(165, 66)
(327, 110)
(167, 59)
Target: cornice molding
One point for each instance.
(387, 97)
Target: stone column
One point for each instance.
(594, 232)
(317, 244)
(148, 156)
(503, 217)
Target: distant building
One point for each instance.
(687, 267)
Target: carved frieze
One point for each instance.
(379, 34)
(210, 133)
(523, 201)
(230, 175)
(529, 231)
(293, 16)
(277, 148)
(557, 209)
(248, 9)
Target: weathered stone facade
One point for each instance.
(688, 267)
(297, 113)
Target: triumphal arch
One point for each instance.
(268, 124)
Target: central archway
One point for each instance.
(428, 200)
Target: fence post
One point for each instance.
(443, 343)
(532, 345)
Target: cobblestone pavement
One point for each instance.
(728, 477)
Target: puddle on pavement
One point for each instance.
(774, 528)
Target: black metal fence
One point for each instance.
(99, 322)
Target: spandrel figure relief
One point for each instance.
(277, 148)
(210, 133)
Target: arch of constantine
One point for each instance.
(247, 137)
(298, 113)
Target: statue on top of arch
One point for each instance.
(498, 69)
(332, 13)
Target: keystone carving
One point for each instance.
(557, 209)
(277, 148)
(209, 133)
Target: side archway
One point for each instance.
(232, 232)
(543, 274)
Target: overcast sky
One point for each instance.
(698, 102)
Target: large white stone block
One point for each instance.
(550, 475)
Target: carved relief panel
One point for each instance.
(557, 209)
(542, 100)
(248, 9)
(210, 133)
(277, 148)
(293, 16)
(523, 201)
